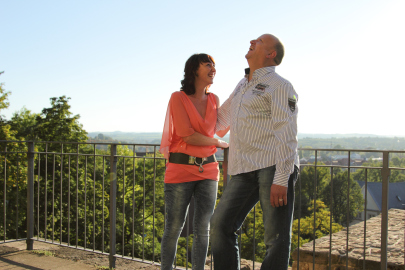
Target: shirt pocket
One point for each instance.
(259, 103)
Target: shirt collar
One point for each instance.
(263, 71)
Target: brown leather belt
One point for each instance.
(181, 158)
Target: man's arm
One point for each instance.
(221, 133)
(284, 113)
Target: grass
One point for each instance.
(44, 252)
(104, 267)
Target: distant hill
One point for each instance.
(327, 136)
(130, 137)
(323, 141)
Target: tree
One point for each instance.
(308, 177)
(309, 232)
(341, 204)
(57, 123)
(13, 167)
(24, 122)
(5, 130)
(374, 175)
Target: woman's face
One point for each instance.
(205, 73)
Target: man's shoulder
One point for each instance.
(276, 80)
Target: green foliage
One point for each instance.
(24, 122)
(6, 133)
(374, 175)
(312, 183)
(340, 204)
(57, 123)
(307, 231)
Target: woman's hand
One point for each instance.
(222, 144)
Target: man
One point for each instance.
(263, 161)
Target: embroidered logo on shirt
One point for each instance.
(261, 86)
(291, 103)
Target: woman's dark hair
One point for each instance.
(190, 71)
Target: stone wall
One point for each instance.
(395, 249)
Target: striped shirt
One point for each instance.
(262, 114)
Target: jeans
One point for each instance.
(177, 200)
(240, 196)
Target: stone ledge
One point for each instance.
(355, 250)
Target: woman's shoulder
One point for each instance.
(214, 98)
(177, 95)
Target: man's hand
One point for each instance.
(278, 195)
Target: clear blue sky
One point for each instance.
(119, 61)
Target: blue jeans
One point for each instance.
(177, 200)
(240, 196)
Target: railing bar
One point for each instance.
(53, 199)
(348, 210)
(30, 198)
(102, 235)
(133, 203)
(154, 202)
(46, 192)
(85, 203)
(331, 219)
(18, 180)
(385, 172)
(61, 194)
(299, 219)
(38, 191)
(69, 201)
(77, 196)
(187, 237)
(345, 167)
(143, 213)
(113, 205)
(123, 209)
(5, 195)
(315, 197)
(94, 198)
(365, 219)
(154, 144)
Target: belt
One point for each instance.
(181, 158)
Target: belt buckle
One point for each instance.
(191, 160)
(200, 169)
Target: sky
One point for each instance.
(119, 61)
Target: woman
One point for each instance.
(188, 133)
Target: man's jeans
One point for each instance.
(240, 196)
(177, 200)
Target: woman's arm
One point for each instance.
(200, 139)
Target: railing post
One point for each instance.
(30, 197)
(385, 173)
(113, 204)
(225, 167)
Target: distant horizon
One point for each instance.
(299, 134)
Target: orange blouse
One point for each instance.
(182, 120)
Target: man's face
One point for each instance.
(260, 47)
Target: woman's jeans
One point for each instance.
(240, 196)
(177, 200)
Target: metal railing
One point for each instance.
(105, 198)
